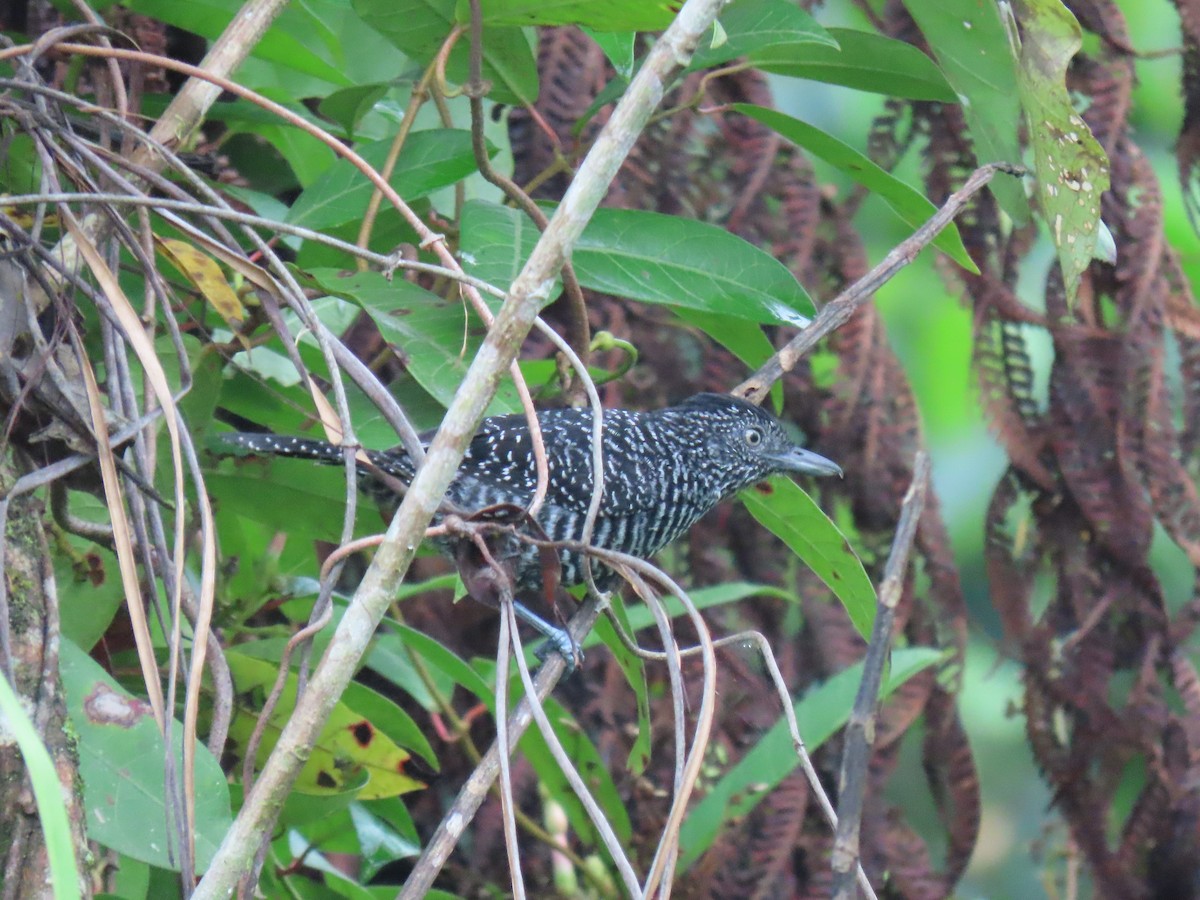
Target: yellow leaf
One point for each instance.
(349, 746)
(202, 271)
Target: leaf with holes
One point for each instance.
(121, 765)
(349, 746)
(206, 275)
(970, 43)
(1071, 166)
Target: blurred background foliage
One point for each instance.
(931, 332)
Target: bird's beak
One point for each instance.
(805, 462)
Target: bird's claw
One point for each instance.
(560, 641)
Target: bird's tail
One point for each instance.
(395, 463)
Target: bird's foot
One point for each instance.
(564, 645)
(558, 640)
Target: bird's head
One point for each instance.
(749, 443)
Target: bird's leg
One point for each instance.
(491, 582)
(558, 639)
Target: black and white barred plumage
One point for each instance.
(663, 470)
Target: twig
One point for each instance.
(664, 857)
(475, 790)
(508, 637)
(842, 307)
(420, 94)
(671, 655)
(860, 730)
(603, 827)
(758, 640)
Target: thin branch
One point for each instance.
(860, 730)
(420, 94)
(839, 310)
(472, 794)
(508, 636)
(600, 822)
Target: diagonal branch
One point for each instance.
(839, 310)
(860, 730)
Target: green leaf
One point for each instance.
(300, 810)
(280, 407)
(907, 202)
(389, 658)
(866, 61)
(121, 757)
(378, 842)
(298, 38)
(349, 746)
(447, 662)
(821, 712)
(1071, 166)
(972, 46)
(743, 339)
(633, 667)
(436, 338)
(682, 262)
(22, 168)
(130, 879)
(599, 15)
(588, 762)
(579, 747)
(618, 47)
(752, 26)
(495, 242)
(293, 486)
(349, 105)
(18, 728)
(639, 617)
(647, 256)
(428, 161)
(420, 28)
(796, 519)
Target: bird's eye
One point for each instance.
(753, 436)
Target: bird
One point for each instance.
(663, 470)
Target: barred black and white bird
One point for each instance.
(663, 470)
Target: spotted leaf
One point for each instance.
(349, 746)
